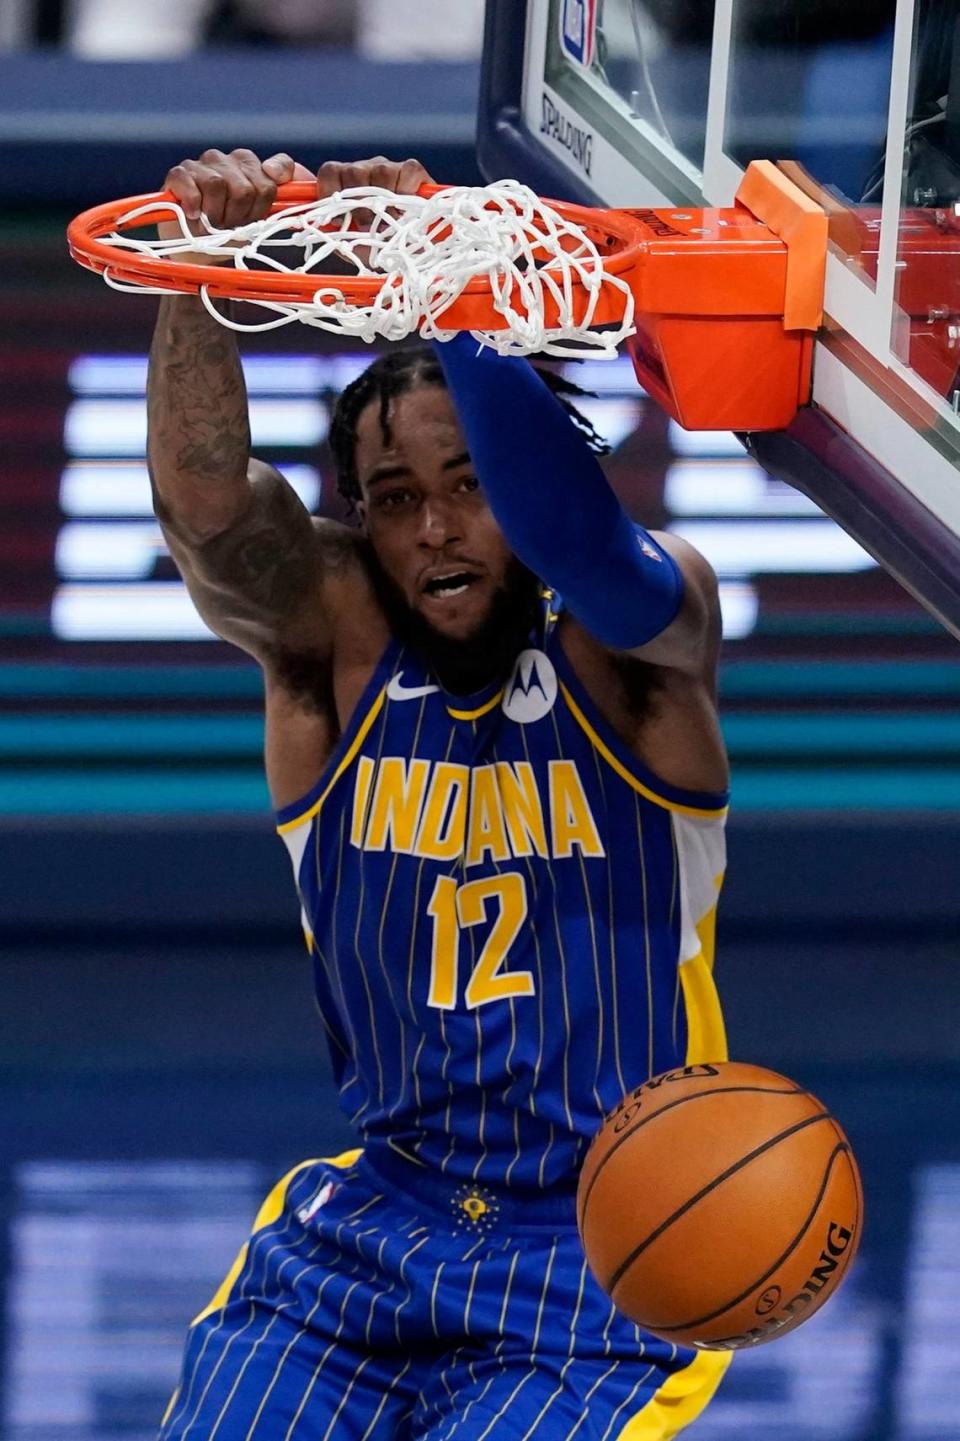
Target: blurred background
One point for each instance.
(162, 1062)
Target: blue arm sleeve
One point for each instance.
(552, 500)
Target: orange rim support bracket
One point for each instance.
(802, 225)
(729, 301)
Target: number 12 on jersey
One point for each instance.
(453, 909)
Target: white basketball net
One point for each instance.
(426, 251)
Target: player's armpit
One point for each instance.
(664, 711)
(691, 642)
(268, 582)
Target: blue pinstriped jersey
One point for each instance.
(500, 901)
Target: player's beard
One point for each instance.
(488, 653)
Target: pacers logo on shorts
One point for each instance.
(475, 1208)
(578, 31)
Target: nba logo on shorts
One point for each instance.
(578, 28)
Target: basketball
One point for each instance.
(720, 1205)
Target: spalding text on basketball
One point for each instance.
(837, 1241)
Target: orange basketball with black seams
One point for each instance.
(720, 1205)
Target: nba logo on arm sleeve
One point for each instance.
(578, 29)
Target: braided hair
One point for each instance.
(404, 368)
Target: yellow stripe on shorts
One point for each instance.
(269, 1212)
(679, 1400)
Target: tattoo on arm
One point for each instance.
(269, 557)
(252, 557)
(260, 582)
(199, 429)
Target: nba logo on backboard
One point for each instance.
(578, 29)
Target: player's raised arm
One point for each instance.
(250, 553)
(642, 594)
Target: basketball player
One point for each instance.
(493, 748)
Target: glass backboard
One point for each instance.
(665, 102)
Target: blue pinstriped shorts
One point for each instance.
(376, 1303)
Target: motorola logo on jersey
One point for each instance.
(531, 691)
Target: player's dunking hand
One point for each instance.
(404, 177)
(231, 190)
(236, 189)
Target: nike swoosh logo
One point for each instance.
(396, 690)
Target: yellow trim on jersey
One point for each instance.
(626, 775)
(270, 1211)
(706, 1032)
(679, 1400)
(358, 740)
(473, 714)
